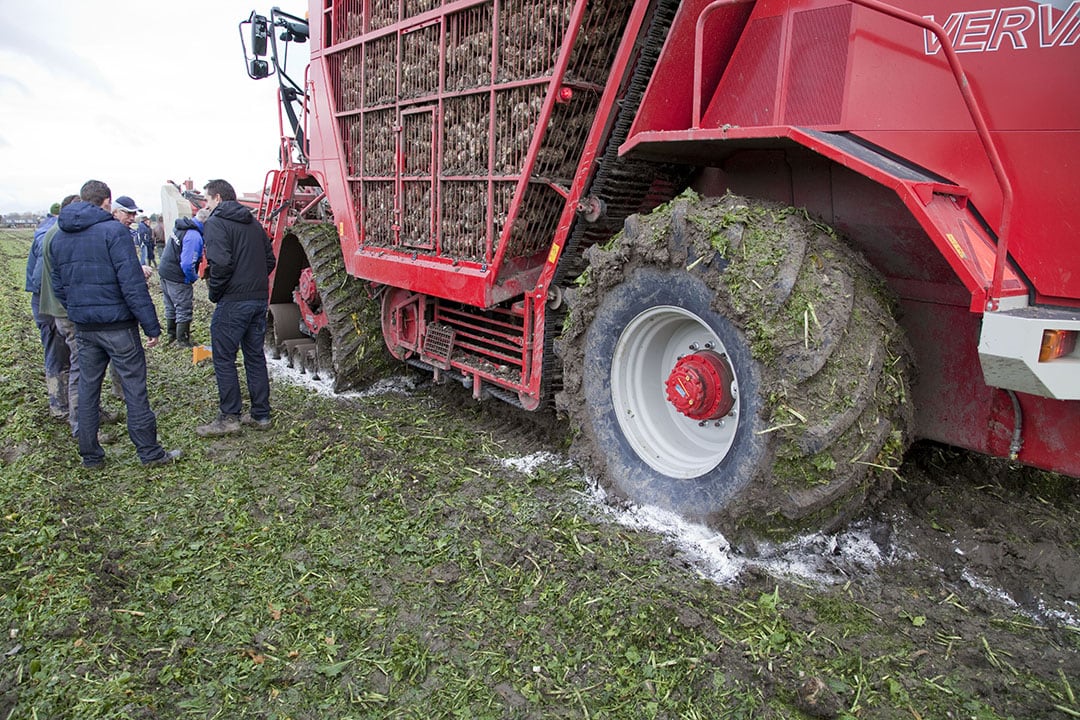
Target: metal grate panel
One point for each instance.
(417, 224)
(379, 143)
(420, 62)
(536, 220)
(418, 144)
(516, 113)
(468, 48)
(532, 33)
(816, 66)
(464, 220)
(416, 7)
(352, 131)
(598, 40)
(439, 345)
(348, 20)
(466, 122)
(478, 73)
(378, 217)
(345, 77)
(384, 13)
(380, 79)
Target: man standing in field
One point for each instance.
(240, 260)
(57, 361)
(144, 236)
(97, 277)
(179, 269)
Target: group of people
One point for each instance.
(90, 296)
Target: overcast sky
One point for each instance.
(134, 93)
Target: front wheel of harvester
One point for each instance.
(732, 362)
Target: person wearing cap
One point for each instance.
(97, 277)
(127, 205)
(57, 357)
(124, 210)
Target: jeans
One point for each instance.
(57, 358)
(240, 325)
(123, 348)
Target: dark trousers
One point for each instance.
(123, 348)
(240, 326)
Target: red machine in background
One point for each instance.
(537, 192)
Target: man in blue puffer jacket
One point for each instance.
(97, 277)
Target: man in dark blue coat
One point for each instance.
(240, 260)
(97, 277)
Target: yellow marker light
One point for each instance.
(1056, 344)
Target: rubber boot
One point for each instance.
(170, 331)
(183, 334)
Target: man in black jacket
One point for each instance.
(240, 260)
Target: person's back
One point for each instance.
(179, 269)
(97, 277)
(239, 253)
(95, 273)
(144, 237)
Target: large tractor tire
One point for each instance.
(351, 349)
(731, 361)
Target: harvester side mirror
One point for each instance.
(259, 32)
(259, 69)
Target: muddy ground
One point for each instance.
(969, 566)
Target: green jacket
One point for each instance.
(49, 304)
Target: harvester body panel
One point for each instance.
(471, 151)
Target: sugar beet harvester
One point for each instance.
(750, 249)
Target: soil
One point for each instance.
(972, 561)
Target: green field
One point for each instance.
(371, 557)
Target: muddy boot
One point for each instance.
(56, 385)
(223, 425)
(183, 334)
(109, 417)
(170, 331)
(168, 458)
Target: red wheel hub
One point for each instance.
(309, 292)
(699, 386)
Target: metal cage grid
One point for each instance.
(439, 106)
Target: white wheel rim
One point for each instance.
(646, 351)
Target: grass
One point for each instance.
(372, 558)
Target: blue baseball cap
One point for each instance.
(127, 204)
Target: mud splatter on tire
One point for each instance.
(357, 353)
(821, 365)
